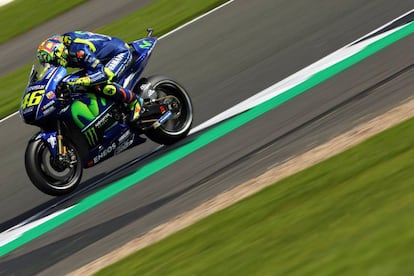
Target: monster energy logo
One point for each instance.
(91, 136)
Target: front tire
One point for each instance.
(47, 174)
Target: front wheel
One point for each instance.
(50, 175)
(178, 126)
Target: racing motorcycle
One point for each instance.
(79, 129)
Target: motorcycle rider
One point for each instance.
(103, 57)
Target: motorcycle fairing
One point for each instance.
(39, 99)
(86, 108)
(142, 49)
(123, 140)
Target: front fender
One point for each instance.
(50, 139)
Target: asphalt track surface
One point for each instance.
(222, 59)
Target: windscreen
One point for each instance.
(38, 72)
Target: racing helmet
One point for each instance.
(53, 51)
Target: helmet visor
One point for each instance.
(44, 57)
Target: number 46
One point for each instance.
(32, 99)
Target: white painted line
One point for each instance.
(8, 117)
(389, 23)
(298, 77)
(18, 230)
(197, 18)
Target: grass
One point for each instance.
(162, 15)
(12, 87)
(22, 15)
(349, 215)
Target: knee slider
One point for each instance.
(109, 90)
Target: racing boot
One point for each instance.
(136, 108)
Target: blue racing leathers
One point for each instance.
(104, 58)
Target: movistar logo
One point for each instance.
(145, 44)
(84, 112)
(91, 136)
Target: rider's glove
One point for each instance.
(74, 84)
(83, 81)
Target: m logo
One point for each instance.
(83, 112)
(145, 44)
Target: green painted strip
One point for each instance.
(203, 140)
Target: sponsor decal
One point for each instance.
(49, 110)
(50, 95)
(123, 146)
(124, 136)
(101, 122)
(91, 136)
(52, 141)
(145, 44)
(114, 63)
(35, 87)
(49, 104)
(104, 153)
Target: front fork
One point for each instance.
(54, 141)
(59, 137)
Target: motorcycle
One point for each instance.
(79, 129)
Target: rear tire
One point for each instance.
(44, 172)
(179, 125)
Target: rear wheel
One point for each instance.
(49, 174)
(172, 94)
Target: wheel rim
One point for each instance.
(56, 177)
(182, 119)
(50, 169)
